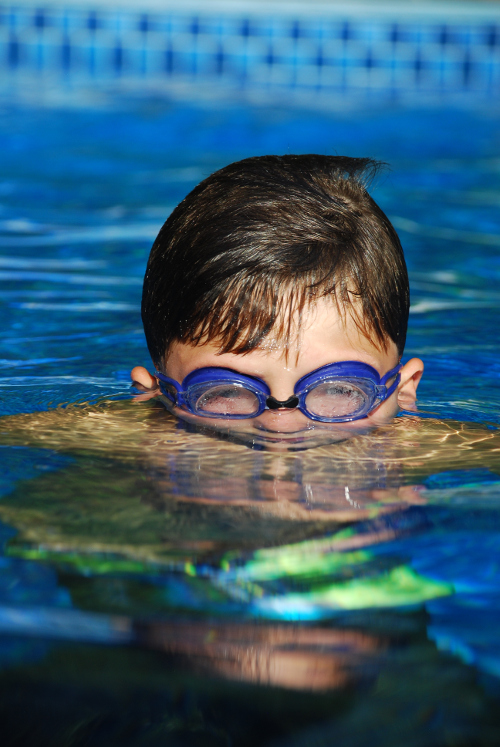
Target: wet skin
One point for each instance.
(324, 337)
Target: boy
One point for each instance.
(275, 303)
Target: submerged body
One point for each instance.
(181, 521)
(184, 472)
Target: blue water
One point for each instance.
(83, 194)
(395, 614)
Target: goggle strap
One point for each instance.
(391, 373)
(393, 387)
(173, 383)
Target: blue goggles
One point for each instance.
(335, 393)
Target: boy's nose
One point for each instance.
(283, 420)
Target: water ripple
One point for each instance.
(37, 381)
(97, 306)
(435, 304)
(448, 234)
(31, 263)
(6, 363)
(130, 232)
(69, 277)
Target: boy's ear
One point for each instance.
(411, 373)
(142, 379)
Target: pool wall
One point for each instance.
(329, 51)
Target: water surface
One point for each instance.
(164, 586)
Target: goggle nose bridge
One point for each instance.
(275, 404)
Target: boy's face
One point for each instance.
(324, 337)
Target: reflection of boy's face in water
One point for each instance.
(324, 337)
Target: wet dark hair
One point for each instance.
(258, 241)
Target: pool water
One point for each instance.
(160, 585)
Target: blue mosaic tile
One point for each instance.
(245, 29)
(320, 60)
(194, 27)
(13, 52)
(270, 59)
(347, 32)
(144, 24)
(492, 36)
(66, 55)
(444, 36)
(12, 19)
(220, 61)
(467, 71)
(118, 59)
(93, 21)
(419, 65)
(169, 61)
(297, 31)
(396, 34)
(370, 61)
(40, 20)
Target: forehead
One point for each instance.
(318, 336)
(321, 326)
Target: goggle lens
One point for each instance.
(226, 400)
(335, 399)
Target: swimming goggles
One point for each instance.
(335, 393)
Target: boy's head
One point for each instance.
(263, 238)
(243, 264)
